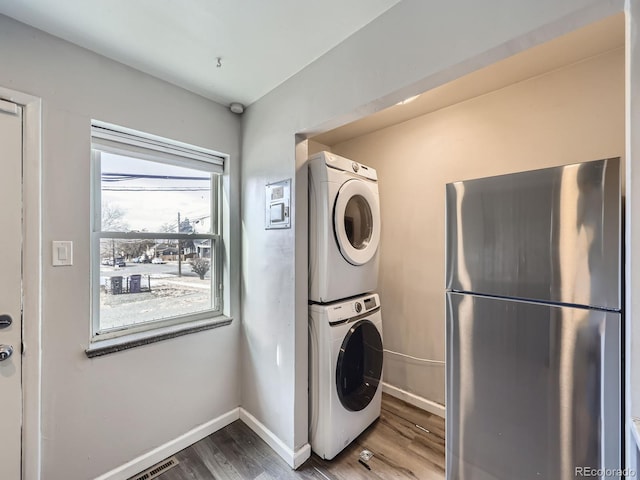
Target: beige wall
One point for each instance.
(569, 115)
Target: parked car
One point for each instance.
(111, 262)
(119, 262)
(157, 260)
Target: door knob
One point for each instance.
(5, 352)
(5, 321)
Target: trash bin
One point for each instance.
(116, 285)
(134, 283)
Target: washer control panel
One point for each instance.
(342, 311)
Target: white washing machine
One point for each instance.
(344, 228)
(345, 371)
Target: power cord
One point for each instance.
(425, 360)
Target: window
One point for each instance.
(156, 240)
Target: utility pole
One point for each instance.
(179, 250)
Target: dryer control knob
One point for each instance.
(355, 166)
(358, 307)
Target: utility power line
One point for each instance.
(156, 189)
(121, 177)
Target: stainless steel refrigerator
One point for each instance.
(534, 322)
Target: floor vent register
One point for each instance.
(157, 469)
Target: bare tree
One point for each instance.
(187, 227)
(113, 218)
(200, 266)
(135, 248)
(112, 221)
(167, 228)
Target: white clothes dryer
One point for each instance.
(344, 228)
(345, 371)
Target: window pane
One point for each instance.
(140, 280)
(145, 196)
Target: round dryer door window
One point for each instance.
(356, 222)
(359, 368)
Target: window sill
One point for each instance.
(113, 345)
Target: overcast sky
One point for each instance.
(148, 203)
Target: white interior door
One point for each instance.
(10, 290)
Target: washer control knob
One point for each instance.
(355, 166)
(358, 307)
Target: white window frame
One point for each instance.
(123, 141)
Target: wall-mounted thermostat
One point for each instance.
(278, 201)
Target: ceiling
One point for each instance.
(259, 43)
(594, 39)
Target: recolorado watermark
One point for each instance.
(605, 472)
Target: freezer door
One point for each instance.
(533, 390)
(552, 235)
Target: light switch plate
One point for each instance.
(62, 253)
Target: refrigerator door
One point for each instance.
(533, 390)
(552, 235)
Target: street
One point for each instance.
(169, 268)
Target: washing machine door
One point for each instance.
(359, 368)
(356, 222)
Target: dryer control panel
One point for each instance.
(345, 311)
(340, 163)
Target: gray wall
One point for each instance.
(101, 413)
(413, 47)
(566, 116)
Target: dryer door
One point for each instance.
(359, 368)
(356, 222)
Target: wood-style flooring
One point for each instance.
(407, 443)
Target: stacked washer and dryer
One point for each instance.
(345, 323)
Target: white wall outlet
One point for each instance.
(62, 253)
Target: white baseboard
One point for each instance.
(294, 459)
(172, 447)
(415, 400)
